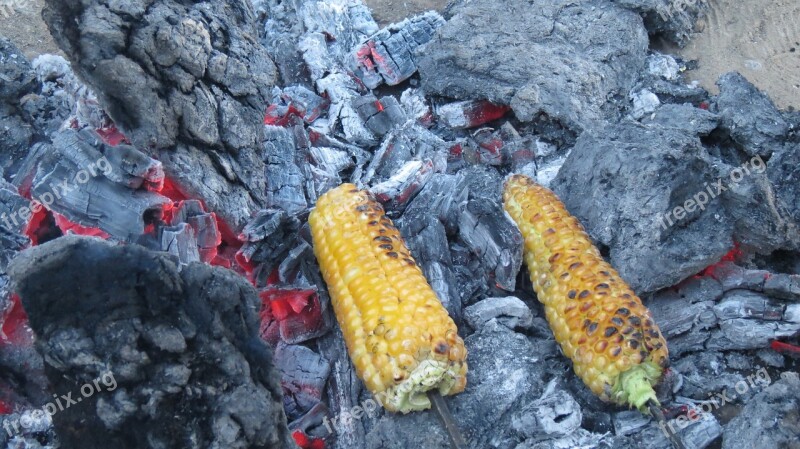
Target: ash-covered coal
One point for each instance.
(182, 348)
(188, 82)
(573, 61)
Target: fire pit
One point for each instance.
(158, 281)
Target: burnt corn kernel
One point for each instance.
(399, 336)
(606, 335)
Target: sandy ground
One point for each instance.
(760, 39)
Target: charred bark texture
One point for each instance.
(186, 80)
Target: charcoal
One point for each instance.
(663, 169)
(684, 117)
(390, 55)
(749, 116)
(770, 420)
(495, 392)
(629, 421)
(487, 231)
(672, 19)
(663, 66)
(202, 223)
(398, 190)
(379, 116)
(509, 311)
(783, 171)
(187, 80)
(296, 311)
(338, 25)
(675, 316)
(732, 276)
(416, 106)
(644, 103)
(441, 197)
(579, 438)
(342, 391)
(268, 238)
(427, 241)
(783, 286)
(746, 304)
(284, 178)
(135, 168)
(741, 334)
(469, 114)
(555, 414)
(32, 105)
(70, 178)
(181, 242)
(303, 376)
(568, 72)
(221, 391)
(27, 429)
(342, 90)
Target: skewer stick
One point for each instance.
(655, 410)
(456, 438)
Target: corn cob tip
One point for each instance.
(635, 386)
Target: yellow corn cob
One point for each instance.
(602, 326)
(399, 336)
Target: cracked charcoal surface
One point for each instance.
(579, 57)
(183, 348)
(188, 82)
(770, 421)
(621, 182)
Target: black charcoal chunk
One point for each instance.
(93, 307)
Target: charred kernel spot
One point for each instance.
(659, 345)
(632, 304)
(605, 273)
(626, 296)
(610, 331)
(633, 344)
(549, 231)
(582, 341)
(637, 335)
(382, 238)
(372, 223)
(410, 261)
(602, 285)
(648, 323)
(441, 348)
(663, 362)
(386, 246)
(554, 257)
(584, 294)
(363, 208)
(586, 306)
(620, 339)
(393, 254)
(617, 321)
(564, 275)
(635, 320)
(601, 346)
(536, 217)
(616, 351)
(643, 354)
(382, 231)
(592, 327)
(399, 377)
(572, 294)
(575, 266)
(623, 311)
(653, 333)
(570, 308)
(627, 330)
(586, 323)
(354, 190)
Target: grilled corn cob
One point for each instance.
(399, 336)
(602, 326)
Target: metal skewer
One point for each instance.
(456, 438)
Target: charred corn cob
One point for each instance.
(602, 326)
(399, 336)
